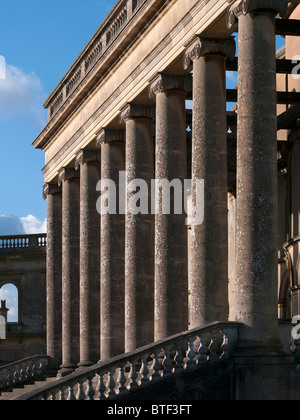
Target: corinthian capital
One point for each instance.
(204, 46)
(238, 8)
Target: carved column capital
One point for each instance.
(239, 8)
(50, 189)
(131, 111)
(205, 46)
(66, 174)
(85, 156)
(107, 135)
(164, 82)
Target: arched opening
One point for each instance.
(10, 294)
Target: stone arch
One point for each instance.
(10, 292)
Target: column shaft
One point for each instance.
(70, 270)
(171, 267)
(89, 259)
(139, 233)
(209, 239)
(112, 255)
(54, 276)
(256, 220)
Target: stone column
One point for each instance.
(209, 237)
(112, 246)
(139, 227)
(52, 193)
(171, 265)
(69, 178)
(255, 285)
(90, 168)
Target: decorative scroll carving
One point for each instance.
(85, 156)
(50, 189)
(242, 7)
(107, 135)
(204, 46)
(137, 111)
(66, 174)
(164, 82)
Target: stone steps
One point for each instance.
(17, 392)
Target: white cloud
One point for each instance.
(33, 225)
(22, 94)
(14, 225)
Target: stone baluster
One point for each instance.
(54, 276)
(171, 272)
(139, 227)
(69, 179)
(209, 236)
(112, 245)
(90, 168)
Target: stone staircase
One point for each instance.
(23, 376)
(178, 367)
(18, 392)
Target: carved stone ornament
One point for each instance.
(204, 46)
(131, 111)
(163, 82)
(66, 174)
(50, 189)
(238, 8)
(107, 135)
(85, 156)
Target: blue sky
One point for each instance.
(39, 40)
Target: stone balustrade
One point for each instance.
(22, 243)
(23, 372)
(123, 11)
(119, 376)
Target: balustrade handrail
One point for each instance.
(107, 379)
(23, 371)
(23, 242)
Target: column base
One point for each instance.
(86, 363)
(66, 369)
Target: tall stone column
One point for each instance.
(171, 266)
(52, 193)
(69, 179)
(139, 227)
(209, 237)
(255, 285)
(90, 168)
(112, 245)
